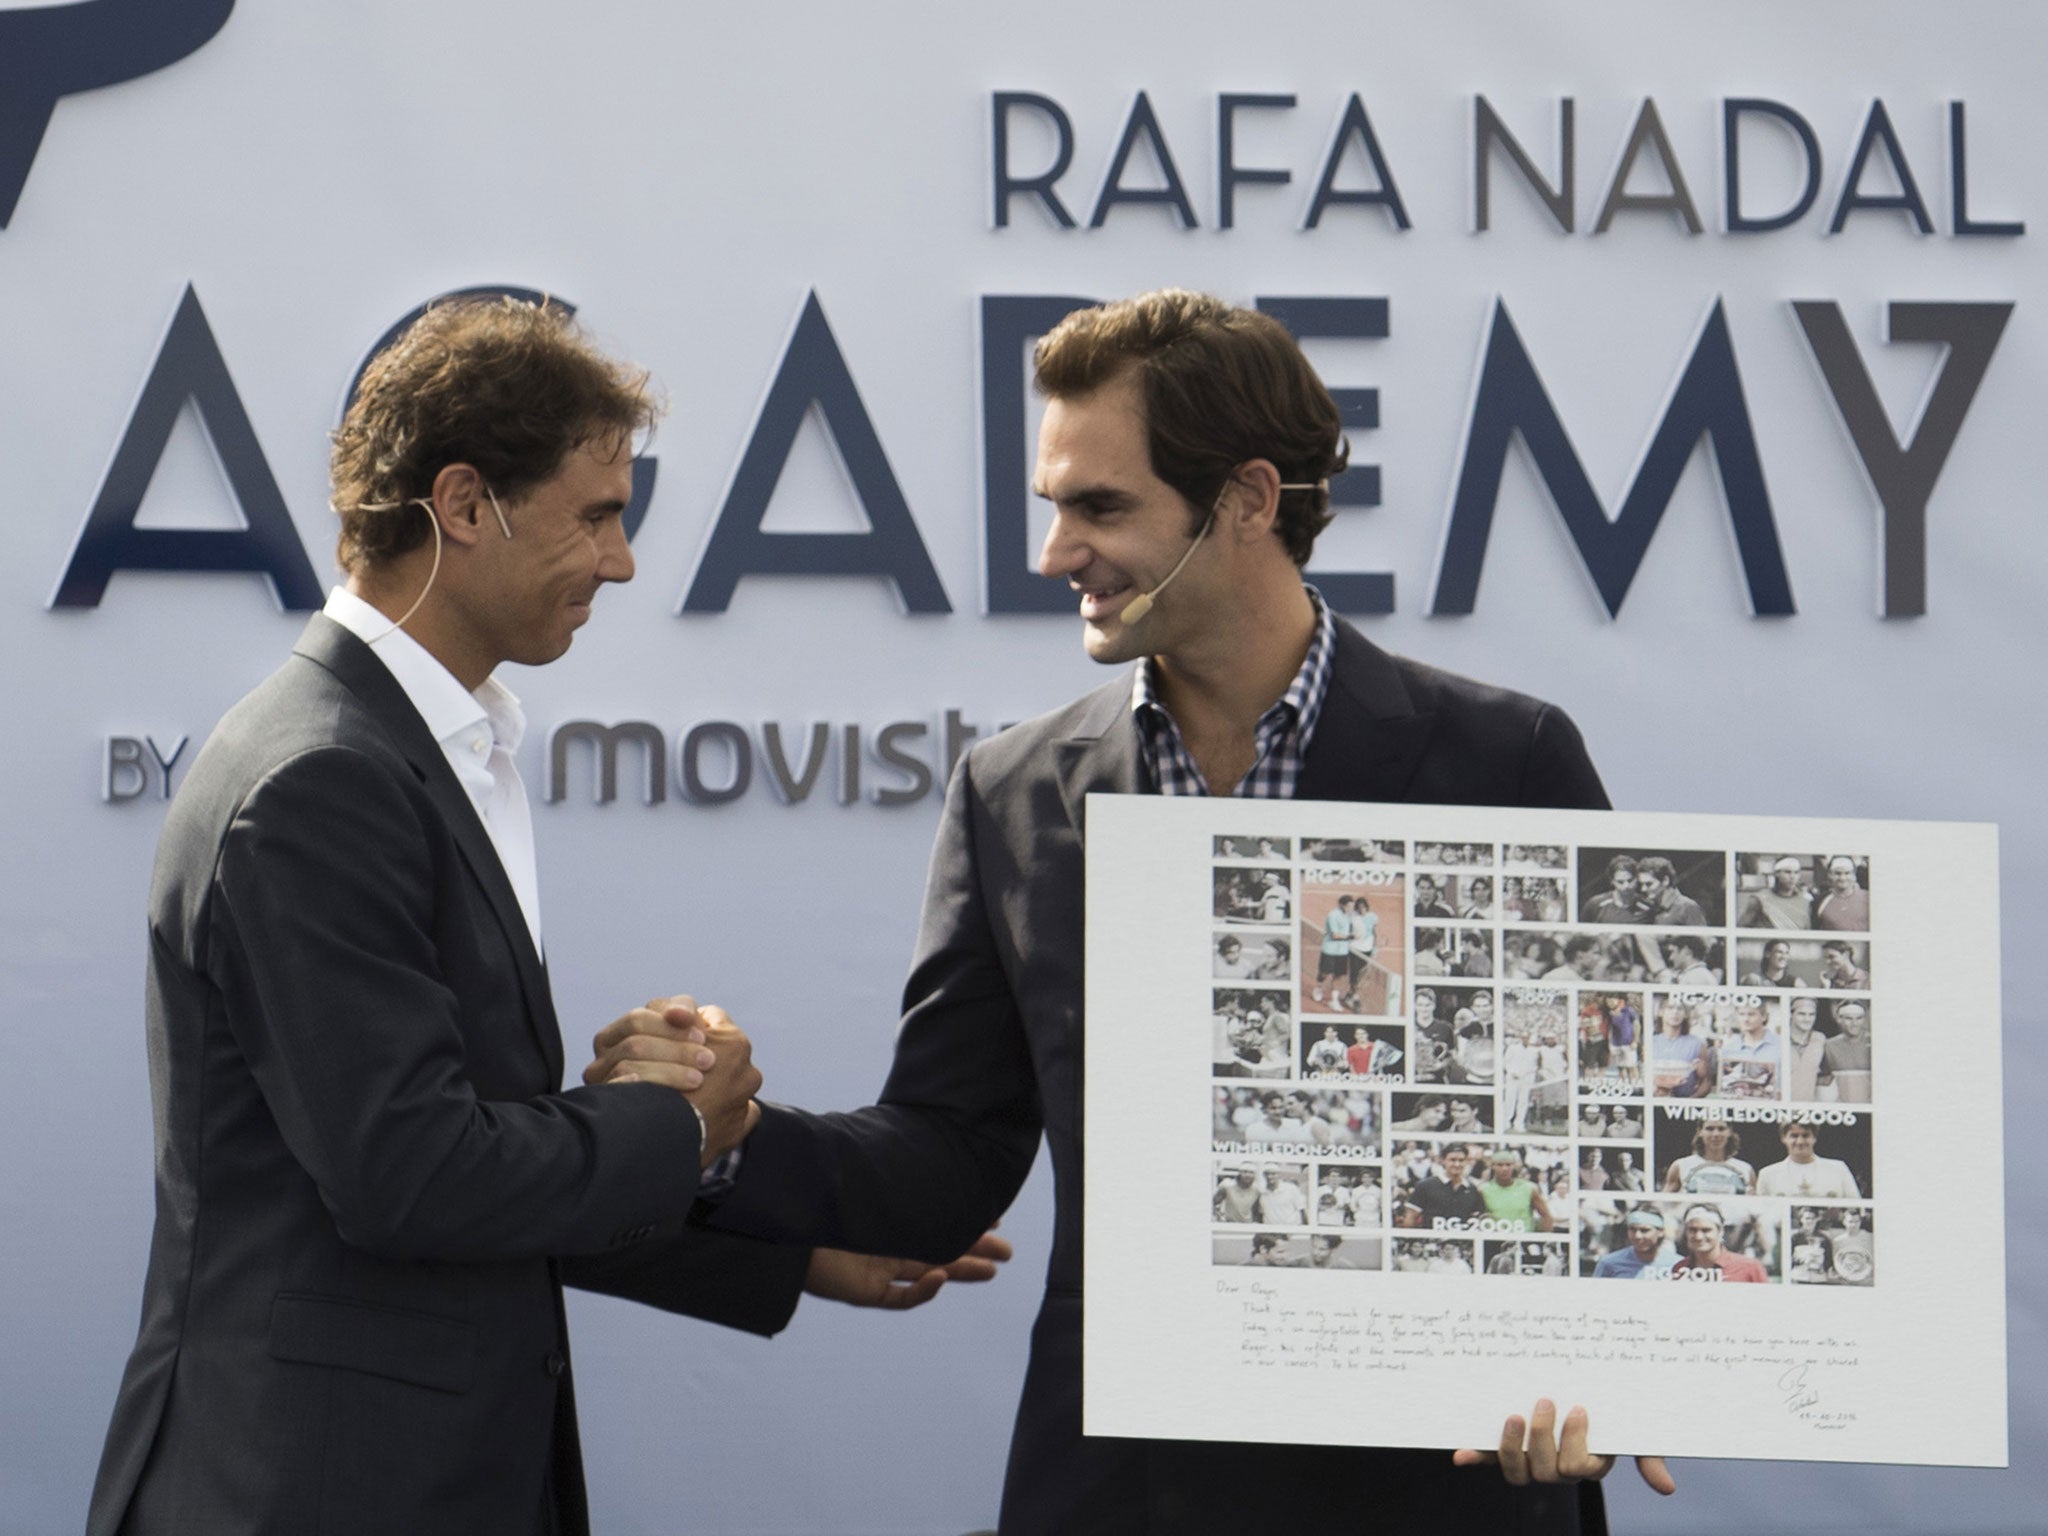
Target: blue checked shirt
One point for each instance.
(1281, 738)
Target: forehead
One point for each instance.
(1095, 441)
(596, 472)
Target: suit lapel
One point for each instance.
(1370, 735)
(329, 645)
(1101, 756)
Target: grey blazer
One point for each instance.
(990, 1057)
(369, 1188)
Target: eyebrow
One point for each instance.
(1096, 497)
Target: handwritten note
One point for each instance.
(1276, 1333)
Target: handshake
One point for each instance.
(708, 1059)
(699, 1052)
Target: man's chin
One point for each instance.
(1109, 642)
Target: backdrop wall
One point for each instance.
(830, 232)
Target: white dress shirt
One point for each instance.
(478, 733)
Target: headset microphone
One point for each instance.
(1139, 606)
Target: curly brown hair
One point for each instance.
(506, 386)
(1221, 386)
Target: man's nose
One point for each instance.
(1064, 551)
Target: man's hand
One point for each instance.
(1535, 1452)
(700, 1053)
(896, 1285)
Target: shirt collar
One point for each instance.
(448, 708)
(1303, 700)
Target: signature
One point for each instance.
(1797, 1394)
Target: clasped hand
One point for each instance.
(699, 1052)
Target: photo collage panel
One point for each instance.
(1506, 1060)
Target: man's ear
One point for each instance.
(458, 499)
(1251, 501)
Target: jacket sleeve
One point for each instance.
(1557, 773)
(739, 1282)
(324, 942)
(923, 1172)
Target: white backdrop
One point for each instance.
(688, 174)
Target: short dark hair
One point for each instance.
(509, 387)
(1220, 386)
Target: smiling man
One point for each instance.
(370, 1186)
(1187, 449)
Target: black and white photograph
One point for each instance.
(1295, 1250)
(1608, 1120)
(1774, 890)
(1461, 951)
(1842, 1075)
(1661, 888)
(1455, 1037)
(1548, 1258)
(1253, 1035)
(1252, 956)
(1569, 956)
(1352, 1197)
(1253, 894)
(1435, 1256)
(1297, 1122)
(1261, 1193)
(1471, 898)
(1614, 1170)
(1777, 963)
(1832, 964)
(1810, 1025)
(1534, 899)
(1263, 850)
(1815, 1155)
(1844, 965)
(1535, 1067)
(1539, 856)
(1772, 1151)
(1435, 898)
(1454, 1111)
(1456, 855)
(1685, 959)
(1842, 899)
(1830, 1245)
(1352, 850)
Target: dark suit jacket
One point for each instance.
(369, 1189)
(990, 1055)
